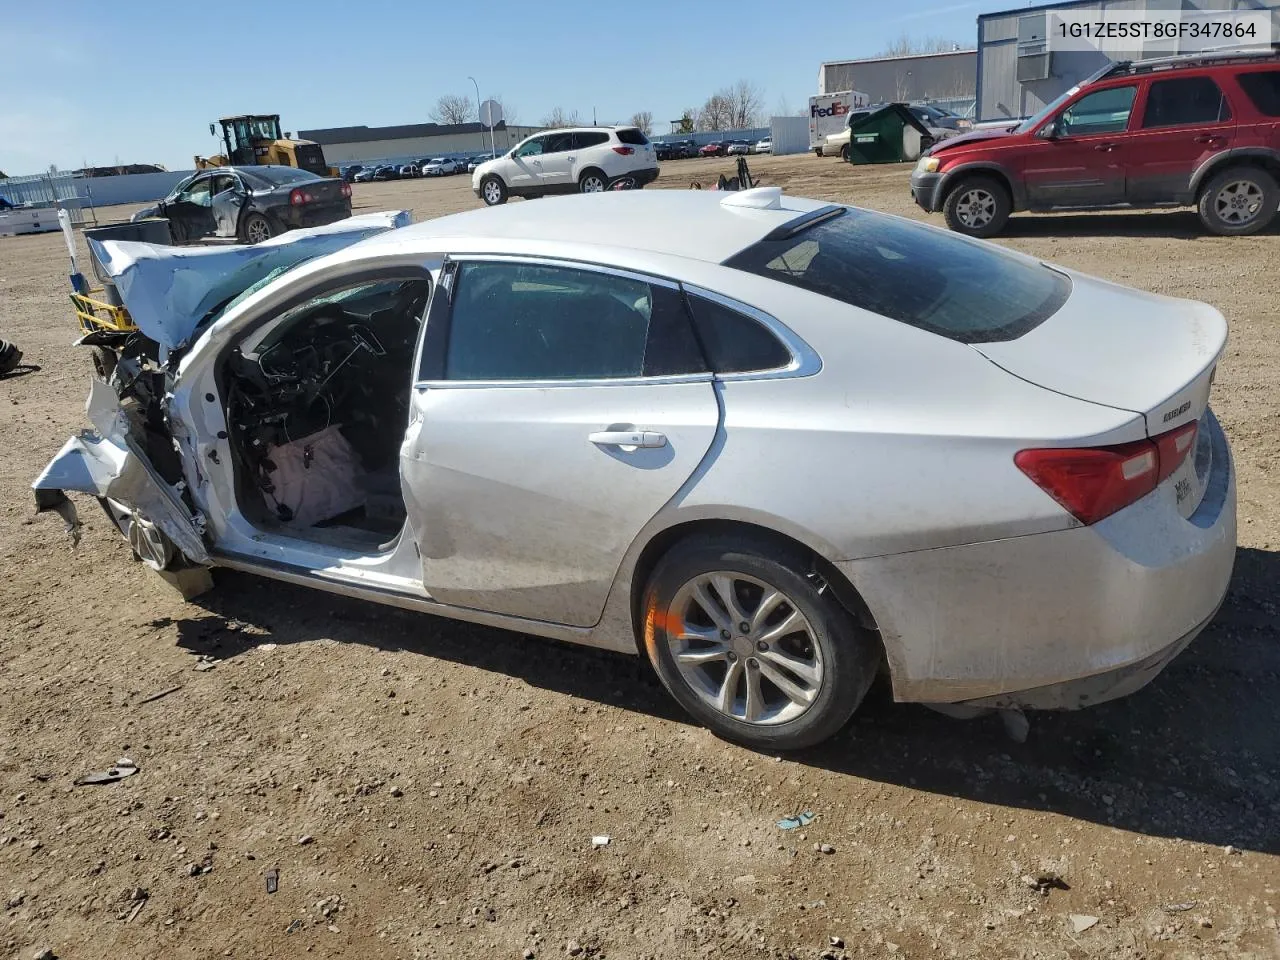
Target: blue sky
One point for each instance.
(138, 81)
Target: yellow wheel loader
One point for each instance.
(256, 140)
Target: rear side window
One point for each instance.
(734, 342)
(633, 136)
(1184, 101)
(589, 138)
(1263, 89)
(926, 278)
(557, 142)
(515, 321)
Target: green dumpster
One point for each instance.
(890, 134)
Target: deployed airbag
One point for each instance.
(169, 290)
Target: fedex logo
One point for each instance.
(836, 109)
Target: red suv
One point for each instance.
(1199, 131)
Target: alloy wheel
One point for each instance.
(1238, 202)
(257, 230)
(976, 208)
(492, 192)
(592, 184)
(147, 540)
(744, 648)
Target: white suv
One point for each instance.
(572, 160)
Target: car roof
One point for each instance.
(693, 224)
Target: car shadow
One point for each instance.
(1178, 224)
(1194, 755)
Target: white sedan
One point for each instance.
(439, 167)
(774, 445)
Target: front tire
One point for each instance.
(978, 207)
(149, 543)
(844, 153)
(753, 644)
(493, 191)
(592, 181)
(1239, 201)
(255, 228)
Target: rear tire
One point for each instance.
(255, 228)
(1239, 201)
(493, 191)
(592, 181)
(844, 153)
(978, 207)
(792, 678)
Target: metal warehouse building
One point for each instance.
(947, 78)
(1017, 74)
(360, 144)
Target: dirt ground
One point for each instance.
(431, 789)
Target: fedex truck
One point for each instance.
(829, 112)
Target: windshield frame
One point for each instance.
(1057, 103)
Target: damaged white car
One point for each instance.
(771, 444)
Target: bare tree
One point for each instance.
(747, 101)
(909, 46)
(716, 113)
(452, 108)
(643, 120)
(559, 118)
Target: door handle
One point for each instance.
(1105, 147)
(628, 438)
(571, 158)
(1207, 138)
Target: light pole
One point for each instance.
(478, 120)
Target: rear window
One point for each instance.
(926, 278)
(633, 136)
(1263, 89)
(275, 176)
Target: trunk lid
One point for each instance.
(1122, 348)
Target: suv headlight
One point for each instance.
(927, 164)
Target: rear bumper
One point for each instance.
(1062, 619)
(924, 189)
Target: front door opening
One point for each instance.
(317, 409)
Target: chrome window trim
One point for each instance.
(805, 361)
(563, 263)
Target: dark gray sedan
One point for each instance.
(250, 204)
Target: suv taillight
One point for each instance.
(625, 151)
(1095, 482)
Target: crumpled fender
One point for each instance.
(107, 463)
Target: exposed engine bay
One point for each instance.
(317, 409)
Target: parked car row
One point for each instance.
(426, 167)
(687, 149)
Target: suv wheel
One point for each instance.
(977, 207)
(592, 181)
(753, 644)
(493, 191)
(1239, 201)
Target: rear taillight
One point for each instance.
(625, 151)
(1095, 482)
(298, 196)
(346, 189)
